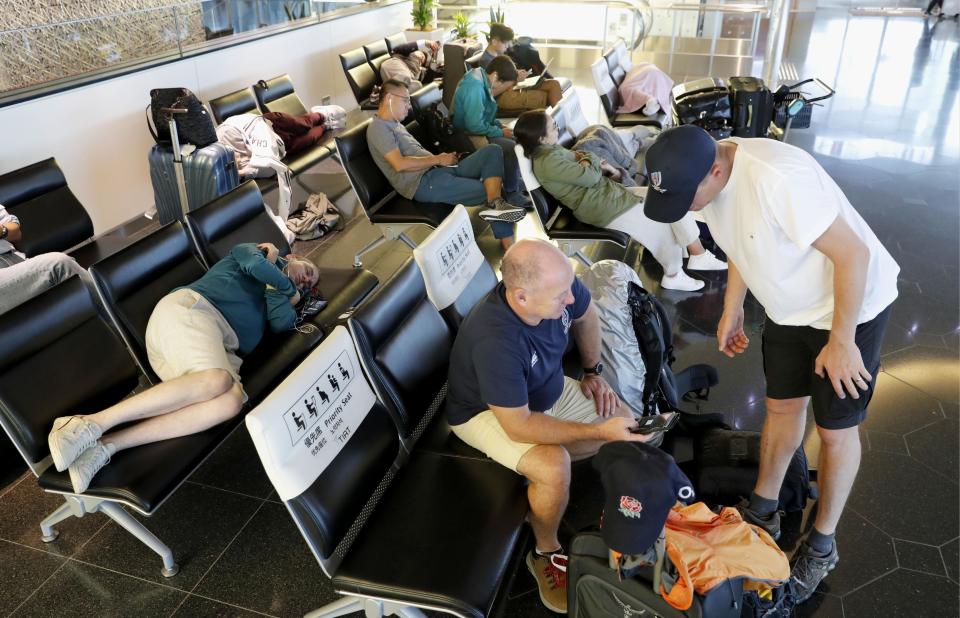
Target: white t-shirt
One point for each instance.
(777, 202)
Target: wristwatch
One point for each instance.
(594, 371)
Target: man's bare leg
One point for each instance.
(547, 467)
(585, 449)
(782, 434)
(839, 463)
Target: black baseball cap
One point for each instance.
(641, 484)
(676, 164)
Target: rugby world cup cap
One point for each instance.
(641, 484)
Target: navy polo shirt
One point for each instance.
(499, 360)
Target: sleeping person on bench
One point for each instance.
(195, 339)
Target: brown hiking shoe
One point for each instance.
(551, 575)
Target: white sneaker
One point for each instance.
(651, 108)
(681, 281)
(70, 436)
(88, 464)
(705, 261)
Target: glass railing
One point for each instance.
(43, 49)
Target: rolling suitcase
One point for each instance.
(187, 182)
(185, 178)
(703, 102)
(752, 104)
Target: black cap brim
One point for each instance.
(667, 207)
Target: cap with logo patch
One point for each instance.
(676, 164)
(641, 484)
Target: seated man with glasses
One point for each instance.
(446, 178)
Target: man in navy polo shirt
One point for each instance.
(508, 396)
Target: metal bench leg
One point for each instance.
(373, 244)
(402, 236)
(134, 527)
(48, 533)
(340, 607)
(404, 611)
(583, 258)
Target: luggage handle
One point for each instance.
(177, 156)
(830, 91)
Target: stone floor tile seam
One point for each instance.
(37, 589)
(931, 574)
(14, 484)
(229, 491)
(228, 545)
(200, 596)
(866, 519)
(896, 538)
(940, 474)
(124, 574)
(94, 535)
(928, 394)
(875, 579)
(943, 410)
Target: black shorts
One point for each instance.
(789, 355)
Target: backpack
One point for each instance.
(317, 218)
(441, 133)
(595, 589)
(195, 126)
(662, 388)
(727, 464)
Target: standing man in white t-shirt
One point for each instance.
(826, 284)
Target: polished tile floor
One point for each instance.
(890, 137)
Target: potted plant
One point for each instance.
(461, 26)
(424, 22)
(497, 16)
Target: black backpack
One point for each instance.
(662, 388)
(194, 125)
(441, 133)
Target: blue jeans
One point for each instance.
(463, 183)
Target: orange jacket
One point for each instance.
(707, 549)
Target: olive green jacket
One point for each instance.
(593, 198)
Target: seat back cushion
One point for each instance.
(422, 99)
(28, 182)
(52, 217)
(54, 221)
(455, 273)
(325, 443)
(397, 320)
(369, 182)
(277, 95)
(359, 74)
(576, 120)
(376, 53)
(235, 217)
(133, 280)
(58, 358)
(454, 67)
(239, 102)
(394, 40)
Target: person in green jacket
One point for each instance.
(474, 111)
(195, 338)
(590, 187)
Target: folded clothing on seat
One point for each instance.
(298, 133)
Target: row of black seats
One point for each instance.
(406, 515)
(361, 67)
(89, 344)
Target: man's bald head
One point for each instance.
(530, 263)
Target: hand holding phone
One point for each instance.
(654, 424)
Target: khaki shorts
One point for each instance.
(187, 334)
(522, 100)
(484, 432)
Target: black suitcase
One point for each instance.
(752, 105)
(594, 589)
(703, 102)
(208, 173)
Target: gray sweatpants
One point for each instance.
(21, 281)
